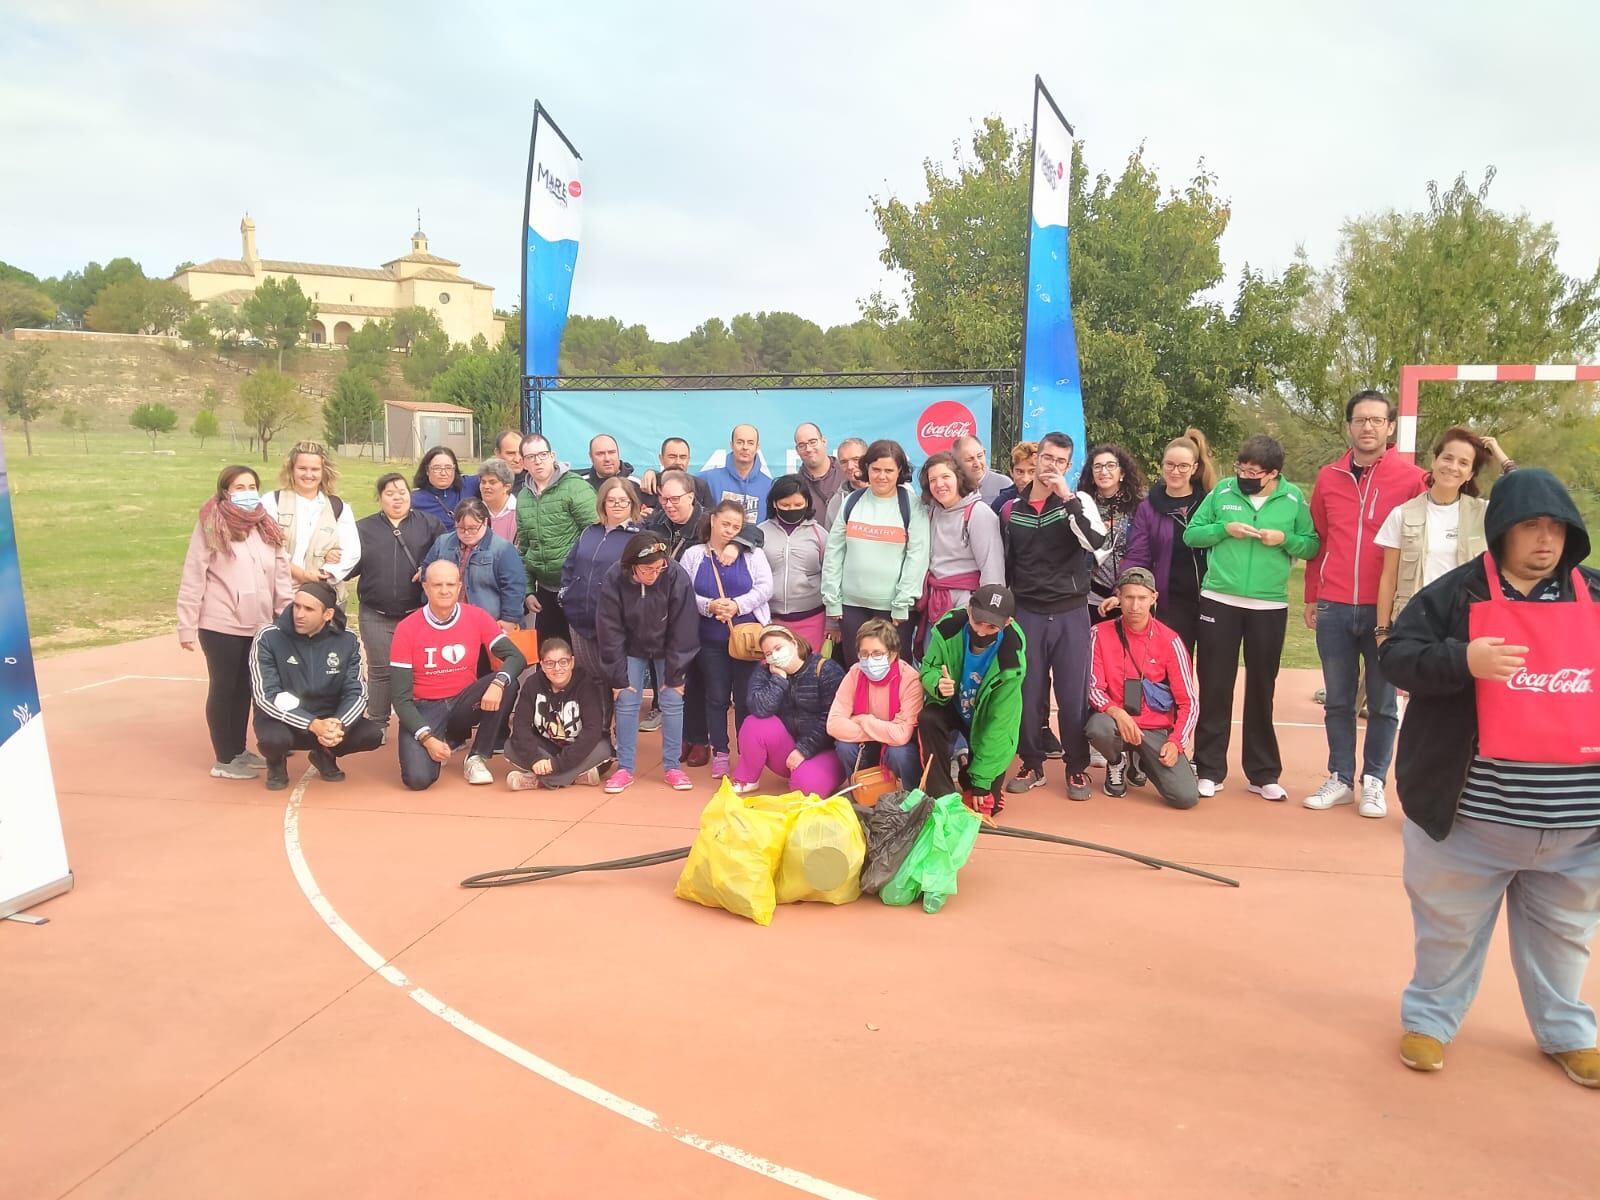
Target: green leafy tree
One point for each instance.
(196, 330)
(76, 419)
(269, 402)
(278, 313)
(210, 399)
(368, 348)
(139, 306)
(430, 354)
(489, 383)
(350, 414)
(223, 320)
(205, 425)
(15, 274)
(25, 387)
(154, 420)
(77, 291)
(410, 325)
(24, 306)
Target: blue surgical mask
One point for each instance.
(875, 667)
(248, 501)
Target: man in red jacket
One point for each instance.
(1353, 495)
(1142, 691)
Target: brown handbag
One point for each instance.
(744, 639)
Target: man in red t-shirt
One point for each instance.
(437, 690)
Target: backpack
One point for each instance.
(333, 502)
(900, 493)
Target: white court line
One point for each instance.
(99, 683)
(462, 1023)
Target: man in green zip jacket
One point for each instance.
(1254, 525)
(555, 507)
(972, 697)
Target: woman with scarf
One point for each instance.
(492, 575)
(1155, 542)
(791, 693)
(439, 486)
(235, 580)
(964, 544)
(598, 548)
(793, 542)
(873, 720)
(1114, 480)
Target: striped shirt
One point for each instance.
(1534, 795)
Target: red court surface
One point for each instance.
(190, 1023)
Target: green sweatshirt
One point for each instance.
(997, 709)
(1244, 566)
(876, 560)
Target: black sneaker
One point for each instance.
(277, 776)
(1116, 777)
(1052, 744)
(1136, 775)
(326, 766)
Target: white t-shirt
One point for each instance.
(1442, 523)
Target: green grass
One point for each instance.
(101, 536)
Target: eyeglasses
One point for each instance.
(1177, 468)
(539, 455)
(1106, 468)
(673, 499)
(816, 441)
(445, 468)
(463, 527)
(1368, 422)
(1050, 460)
(555, 664)
(1244, 471)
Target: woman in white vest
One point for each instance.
(1439, 530)
(319, 530)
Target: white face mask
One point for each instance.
(875, 667)
(781, 657)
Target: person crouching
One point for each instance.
(558, 728)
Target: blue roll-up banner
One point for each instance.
(552, 222)
(1052, 394)
(33, 853)
(924, 420)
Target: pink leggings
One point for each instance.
(764, 742)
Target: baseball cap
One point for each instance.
(993, 604)
(643, 549)
(1138, 575)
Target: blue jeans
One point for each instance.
(1550, 879)
(725, 680)
(902, 760)
(627, 708)
(1345, 639)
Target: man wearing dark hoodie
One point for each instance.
(306, 681)
(1480, 830)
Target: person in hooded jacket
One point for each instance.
(965, 547)
(793, 542)
(1483, 830)
(646, 619)
(559, 728)
(597, 550)
(678, 519)
(307, 683)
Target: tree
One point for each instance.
(349, 414)
(270, 403)
(196, 330)
(410, 324)
(76, 419)
(489, 383)
(210, 399)
(154, 419)
(430, 354)
(25, 384)
(278, 313)
(14, 274)
(139, 306)
(223, 319)
(367, 350)
(205, 425)
(24, 306)
(76, 291)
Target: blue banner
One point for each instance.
(1052, 393)
(552, 223)
(924, 420)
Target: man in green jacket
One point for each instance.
(972, 703)
(1255, 525)
(555, 507)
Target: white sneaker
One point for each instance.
(1373, 802)
(1096, 759)
(1333, 791)
(1209, 787)
(1268, 791)
(476, 770)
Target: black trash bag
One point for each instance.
(891, 832)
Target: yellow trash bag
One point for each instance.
(823, 856)
(735, 856)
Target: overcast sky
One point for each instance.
(730, 148)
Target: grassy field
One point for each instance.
(102, 537)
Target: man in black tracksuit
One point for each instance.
(1052, 534)
(305, 678)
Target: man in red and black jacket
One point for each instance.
(1353, 496)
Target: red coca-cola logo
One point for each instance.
(1569, 681)
(941, 423)
(574, 189)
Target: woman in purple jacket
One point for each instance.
(1155, 541)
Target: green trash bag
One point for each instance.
(940, 851)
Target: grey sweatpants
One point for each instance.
(1176, 784)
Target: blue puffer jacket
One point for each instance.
(801, 701)
(495, 580)
(596, 551)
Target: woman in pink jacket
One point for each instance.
(235, 580)
(874, 713)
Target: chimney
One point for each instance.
(247, 230)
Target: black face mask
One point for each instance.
(1250, 487)
(792, 519)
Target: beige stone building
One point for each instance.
(349, 297)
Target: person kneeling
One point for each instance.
(437, 690)
(972, 698)
(874, 715)
(305, 678)
(558, 728)
(790, 695)
(1142, 691)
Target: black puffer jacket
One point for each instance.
(1426, 653)
(801, 701)
(658, 621)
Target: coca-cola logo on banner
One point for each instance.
(941, 423)
(1569, 681)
